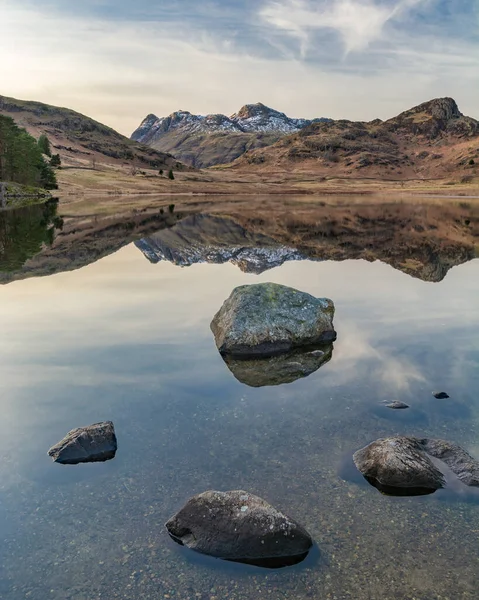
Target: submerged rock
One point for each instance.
(397, 405)
(440, 395)
(278, 370)
(95, 443)
(240, 527)
(461, 463)
(267, 319)
(401, 466)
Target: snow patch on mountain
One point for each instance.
(252, 118)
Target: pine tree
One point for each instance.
(170, 174)
(56, 161)
(21, 159)
(44, 145)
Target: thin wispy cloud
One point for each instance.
(357, 22)
(117, 62)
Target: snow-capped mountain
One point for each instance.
(186, 135)
(256, 118)
(260, 118)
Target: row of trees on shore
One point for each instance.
(22, 158)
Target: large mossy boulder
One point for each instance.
(94, 443)
(402, 465)
(240, 527)
(268, 319)
(278, 370)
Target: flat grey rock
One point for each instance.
(95, 443)
(240, 527)
(267, 319)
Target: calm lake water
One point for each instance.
(128, 340)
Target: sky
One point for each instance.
(118, 60)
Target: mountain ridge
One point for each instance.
(192, 137)
(430, 140)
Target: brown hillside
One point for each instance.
(431, 141)
(81, 141)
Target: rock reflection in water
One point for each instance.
(278, 370)
(389, 490)
(270, 562)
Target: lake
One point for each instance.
(109, 319)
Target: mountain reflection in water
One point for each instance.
(422, 240)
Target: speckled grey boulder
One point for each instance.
(278, 370)
(399, 462)
(240, 527)
(403, 462)
(267, 319)
(95, 443)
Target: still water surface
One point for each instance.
(127, 340)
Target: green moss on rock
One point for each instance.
(267, 319)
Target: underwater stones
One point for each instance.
(440, 395)
(267, 319)
(280, 369)
(461, 463)
(95, 443)
(396, 405)
(399, 463)
(240, 527)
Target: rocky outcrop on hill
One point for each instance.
(203, 141)
(432, 140)
(437, 118)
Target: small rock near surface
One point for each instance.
(396, 405)
(267, 319)
(440, 395)
(238, 526)
(94, 443)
